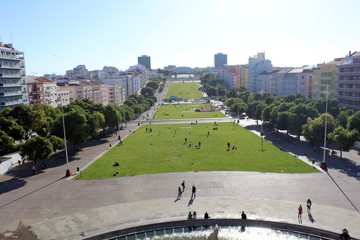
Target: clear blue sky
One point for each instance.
(57, 35)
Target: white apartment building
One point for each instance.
(299, 81)
(12, 77)
(63, 96)
(257, 65)
(116, 94)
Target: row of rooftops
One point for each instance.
(7, 45)
(82, 82)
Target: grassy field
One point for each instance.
(163, 149)
(185, 111)
(184, 90)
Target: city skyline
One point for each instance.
(57, 36)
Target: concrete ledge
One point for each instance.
(319, 233)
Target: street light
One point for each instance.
(68, 172)
(323, 164)
(262, 124)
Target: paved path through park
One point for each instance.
(59, 208)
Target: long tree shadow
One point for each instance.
(296, 147)
(56, 160)
(27, 194)
(11, 184)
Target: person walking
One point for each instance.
(179, 193)
(183, 185)
(193, 192)
(308, 205)
(300, 214)
(243, 215)
(33, 169)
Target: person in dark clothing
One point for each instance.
(243, 215)
(193, 192)
(206, 215)
(308, 205)
(183, 185)
(345, 235)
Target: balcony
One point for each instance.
(12, 56)
(2, 75)
(354, 73)
(356, 107)
(10, 103)
(352, 98)
(10, 94)
(10, 66)
(16, 84)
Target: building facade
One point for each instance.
(257, 65)
(348, 82)
(325, 77)
(41, 91)
(230, 75)
(244, 76)
(12, 77)
(220, 59)
(145, 61)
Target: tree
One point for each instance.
(95, 121)
(75, 126)
(11, 128)
(22, 115)
(57, 143)
(111, 117)
(265, 115)
(232, 93)
(147, 91)
(314, 129)
(344, 138)
(298, 116)
(282, 121)
(154, 85)
(42, 124)
(354, 121)
(6, 143)
(37, 148)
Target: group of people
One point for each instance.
(300, 210)
(181, 189)
(194, 215)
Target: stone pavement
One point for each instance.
(59, 208)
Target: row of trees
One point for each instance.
(212, 85)
(299, 116)
(37, 130)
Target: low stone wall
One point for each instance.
(221, 223)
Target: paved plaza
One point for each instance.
(59, 208)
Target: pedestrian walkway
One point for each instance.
(58, 208)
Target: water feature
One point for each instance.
(223, 229)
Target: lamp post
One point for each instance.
(68, 172)
(262, 125)
(323, 164)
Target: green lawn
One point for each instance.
(186, 111)
(164, 150)
(184, 90)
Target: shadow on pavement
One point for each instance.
(11, 184)
(302, 148)
(27, 194)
